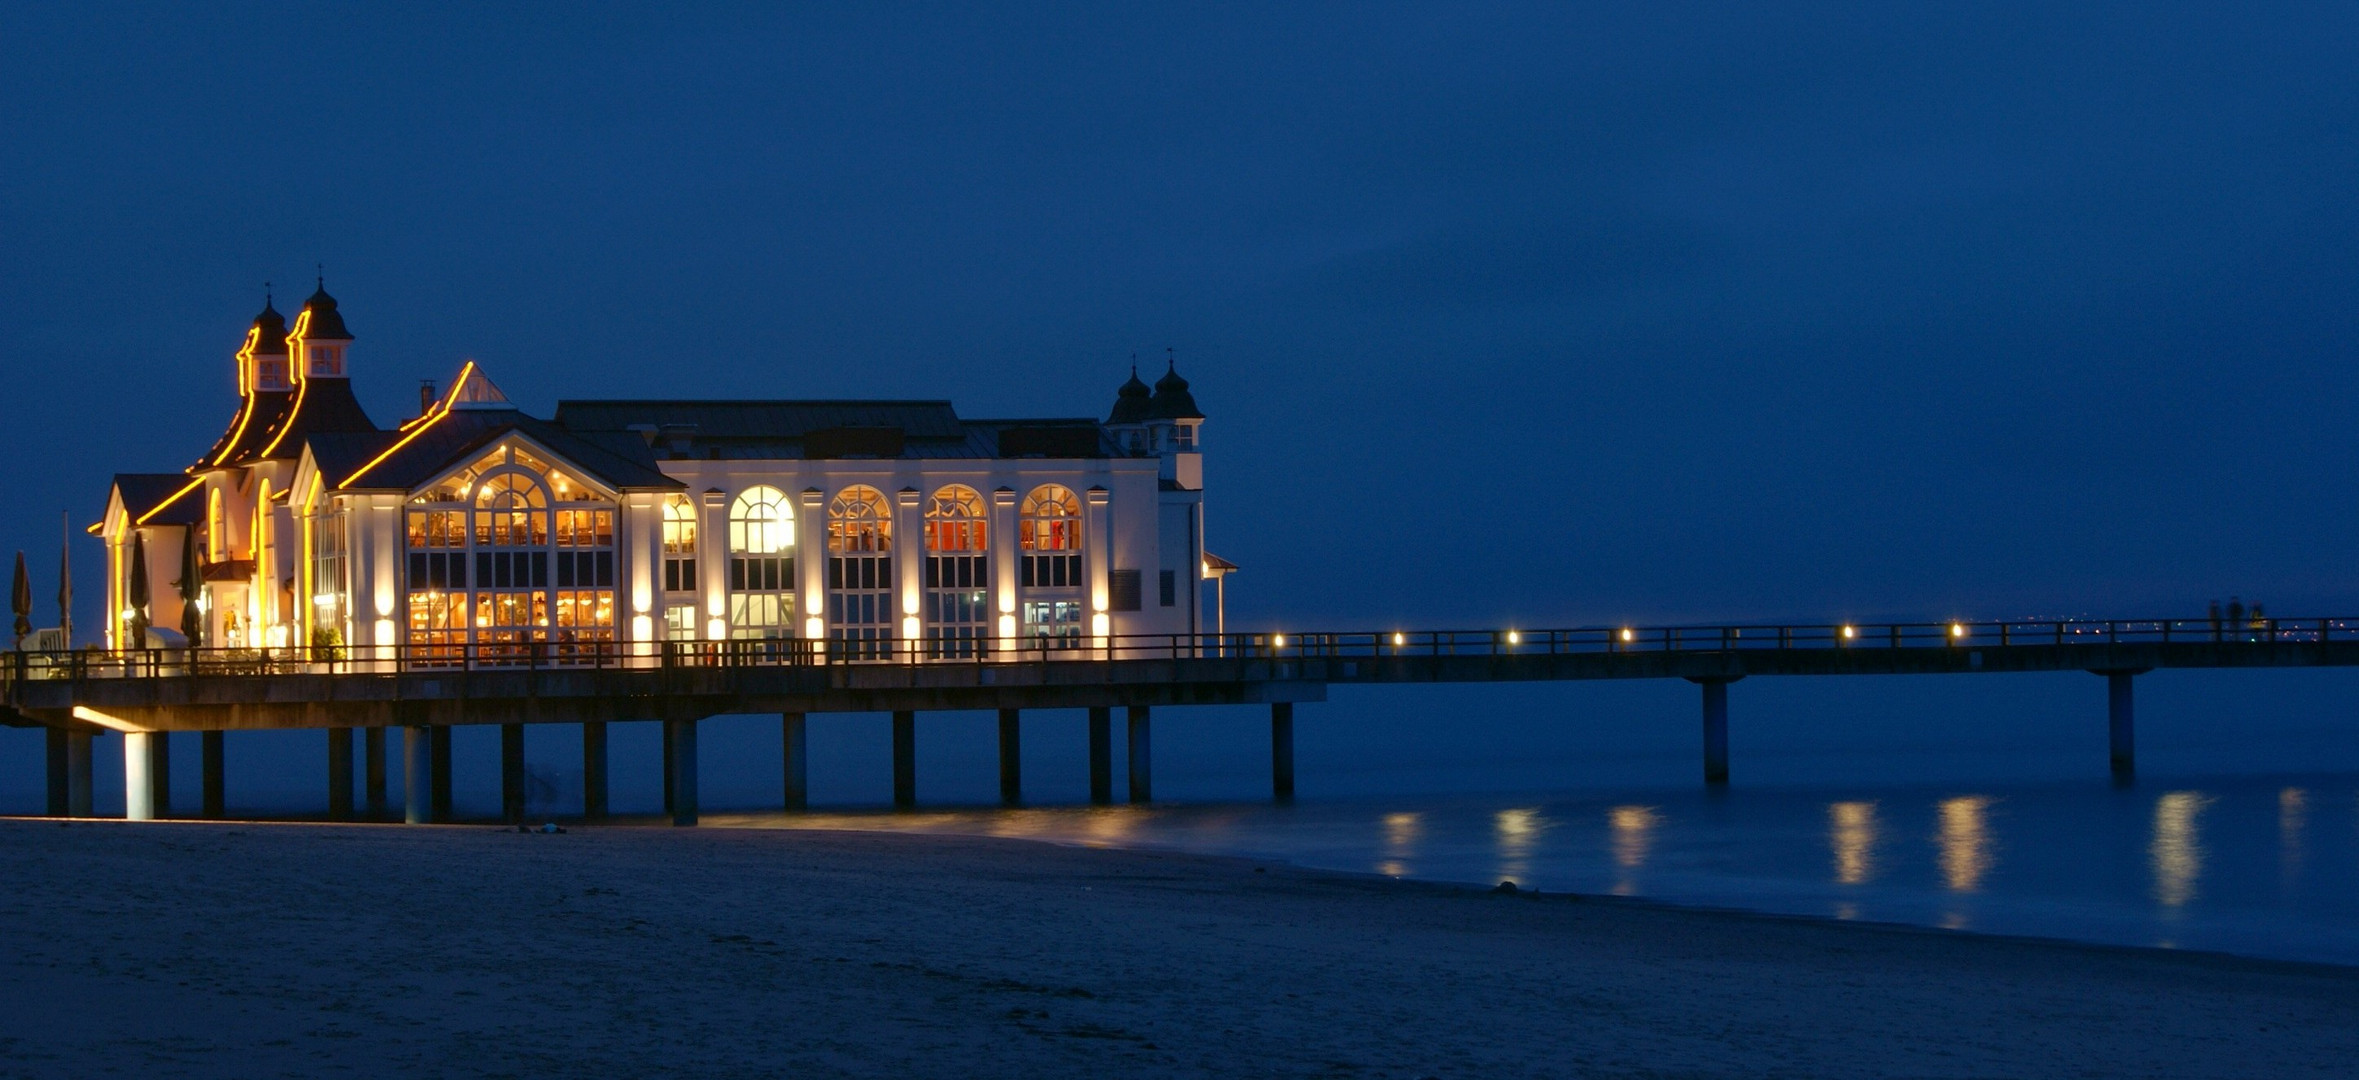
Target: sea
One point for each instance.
(1978, 804)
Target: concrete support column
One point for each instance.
(904, 759)
(78, 773)
(139, 793)
(1101, 755)
(1141, 759)
(797, 769)
(594, 769)
(339, 774)
(58, 801)
(512, 773)
(1282, 750)
(1011, 757)
(417, 767)
(438, 774)
(668, 766)
(2121, 725)
(211, 755)
(680, 735)
(373, 768)
(1715, 730)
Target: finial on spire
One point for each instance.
(266, 294)
(1170, 359)
(322, 270)
(1134, 365)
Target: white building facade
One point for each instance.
(627, 531)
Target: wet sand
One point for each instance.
(181, 949)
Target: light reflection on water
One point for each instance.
(2232, 864)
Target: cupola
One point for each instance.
(321, 337)
(1132, 402)
(262, 362)
(1172, 400)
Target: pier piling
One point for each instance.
(373, 768)
(904, 759)
(1141, 756)
(594, 770)
(512, 773)
(78, 773)
(2121, 725)
(1011, 757)
(1715, 730)
(58, 801)
(1101, 755)
(210, 761)
(797, 751)
(139, 781)
(438, 775)
(1282, 751)
(417, 768)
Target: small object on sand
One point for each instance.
(1505, 888)
(549, 828)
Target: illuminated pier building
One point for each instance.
(879, 528)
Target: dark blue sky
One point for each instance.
(1542, 315)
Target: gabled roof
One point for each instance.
(159, 498)
(319, 406)
(249, 431)
(453, 433)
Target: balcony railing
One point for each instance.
(93, 663)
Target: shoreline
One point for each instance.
(236, 950)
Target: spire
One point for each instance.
(1132, 400)
(325, 324)
(270, 328)
(1172, 399)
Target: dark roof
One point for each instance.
(770, 430)
(270, 332)
(143, 492)
(327, 324)
(1131, 401)
(317, 407)
(1172, 399)
(248, 431)
(460, 434)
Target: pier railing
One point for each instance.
(95, 663)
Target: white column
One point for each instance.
(1097, 551)
(139, 803)
(712, 565)
(387, 546)
(638, 547)
(811, 562)
(1003, 565)
(909, 553)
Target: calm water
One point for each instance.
(2263, 866)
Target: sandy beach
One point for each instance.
(240, 950)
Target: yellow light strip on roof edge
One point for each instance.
(441, 410)
(245, 391)
(159, 507)
(294, 371)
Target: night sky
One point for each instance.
(1502, 315)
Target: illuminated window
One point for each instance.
(513, 557)
(1048, 531)
(327, 361)
(761, 564)
(860, 605)
(958, 574)
(216, 528)
(679, 545)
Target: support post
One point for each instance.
(373, 768)
(1715, 731)
(904, 759)
(668, 766)
(1101, 755)
(512, 773)
(57, 771)
(339, 774)
(2121, 725)
(78, 773)
(438, 775)
(139, 793)
(211, 754)
(797, 764)
(680, 735)
(1011, 757)
(1140, 746)
(417, 770)
(593, 769)
(1282, 751)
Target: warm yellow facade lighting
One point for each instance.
(441, 409)
(159, 507)
(111, 723)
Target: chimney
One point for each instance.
(425, 396)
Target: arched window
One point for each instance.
(514, 558)
(1049, 520)
(860, 604)
(958, 574)
(216, 528)
(511, 510)
(761, 565)
(1048, 532)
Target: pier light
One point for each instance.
(642, 628)
(1957, 629)
(1399, 639)
(1007, 627)
(814, 628)
(715, 629)
(1629, 634)
(1277, 641)
(1514, 638)
(1849, 632)
(909, 628)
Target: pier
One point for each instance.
(426, 691)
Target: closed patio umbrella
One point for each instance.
(192, 589)
(138, 598)
(20, 600)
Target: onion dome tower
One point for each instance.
(1131, 403)
(265, 387)
(1172, 400)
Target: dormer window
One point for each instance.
(327, 360)
(273, 373)
(1184, 436)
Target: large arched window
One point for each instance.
(860, 573)
(510, 554)
(958, 573)
(1048, 532)
(761, 564)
